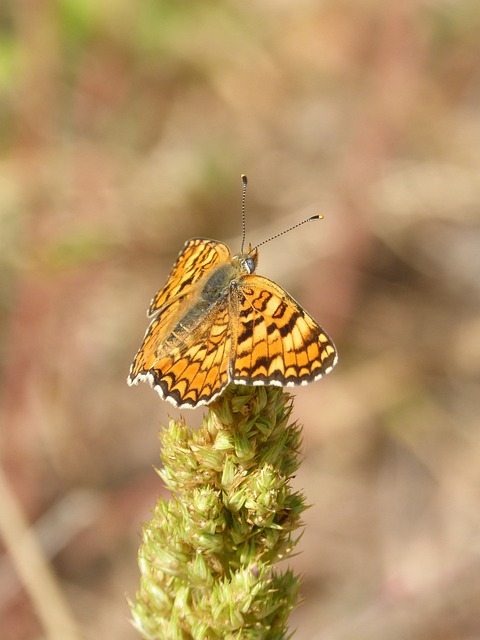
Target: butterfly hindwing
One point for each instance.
(196, 371)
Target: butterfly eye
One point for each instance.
(250, 264)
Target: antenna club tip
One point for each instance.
(319, 216)
(244, 178)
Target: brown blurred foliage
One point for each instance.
(124, 128)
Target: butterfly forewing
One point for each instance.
(197, 257)
(277, 341)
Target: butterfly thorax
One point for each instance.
(216, 287)
(218, 282)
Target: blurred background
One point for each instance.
(124, 128)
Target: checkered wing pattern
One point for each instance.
(196, 258)
(277, 341)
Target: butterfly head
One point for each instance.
(247, 261)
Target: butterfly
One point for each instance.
(216, 321)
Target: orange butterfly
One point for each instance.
(217, 322)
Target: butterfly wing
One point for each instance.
(196, 258)
(277, 341)
(195, 371)
(186, 349)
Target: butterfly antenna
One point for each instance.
(282, 233)
(244, 195)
